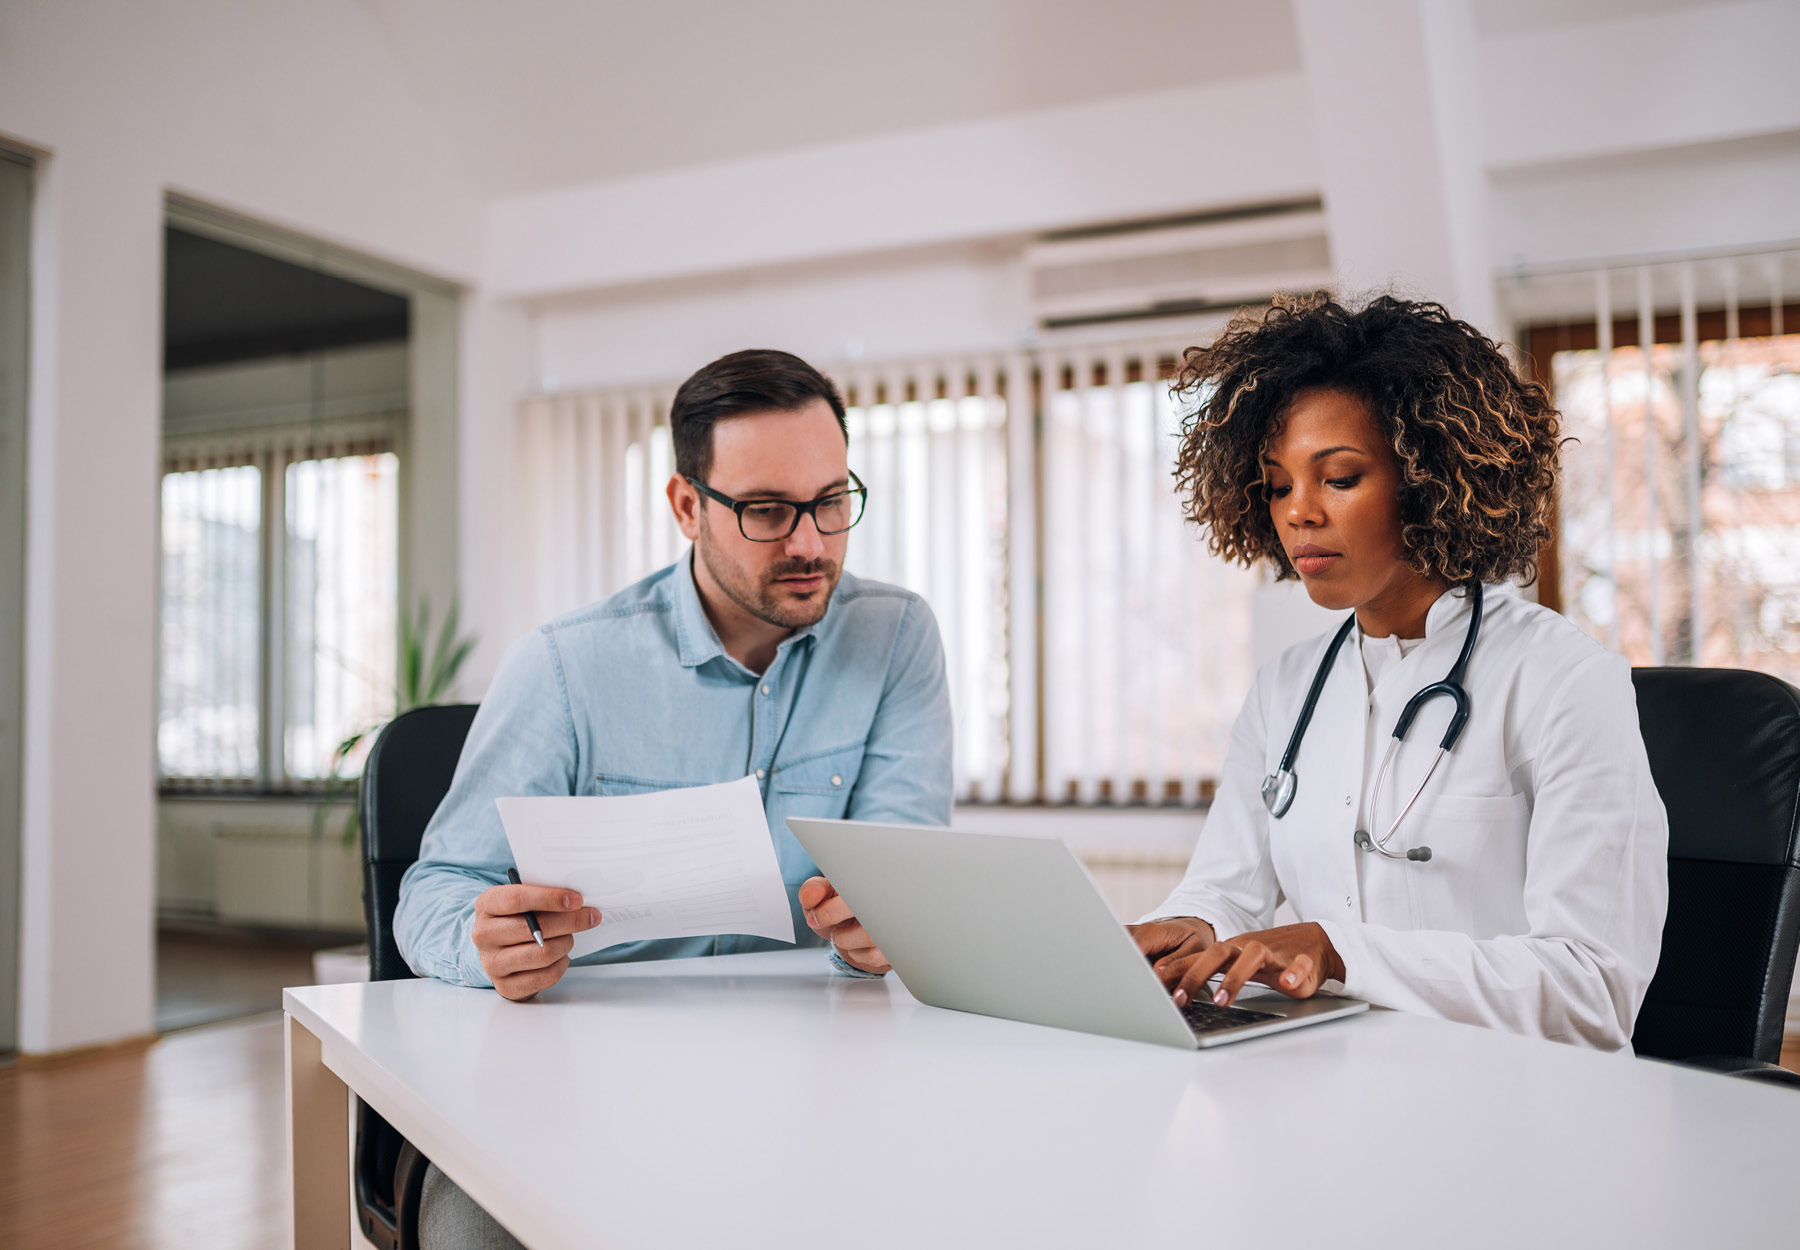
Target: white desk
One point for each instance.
(756, 1100)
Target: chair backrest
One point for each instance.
(406, 776)
(1724, 747)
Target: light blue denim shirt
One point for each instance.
(636, 693)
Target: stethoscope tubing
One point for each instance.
(1280, 786)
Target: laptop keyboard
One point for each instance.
(1205, 1017)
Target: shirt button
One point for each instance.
(837, 781)
(765, 689)
(759, 774)
(1346, 800)
(1347, 902)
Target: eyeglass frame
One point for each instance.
(809, 508)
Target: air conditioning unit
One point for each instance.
(1175, 266)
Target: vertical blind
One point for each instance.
(1095, 652)
(1680, 506)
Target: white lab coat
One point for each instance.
(1541, 909)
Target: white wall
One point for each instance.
(885, 307)
(288, 113)
(1661, 133)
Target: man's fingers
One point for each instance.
(525, 956)
(512, 900)
(831, 913)
(868, 959)
(556, 923)
(813, 891)
(850, 936)
(523, 985)
(494, 933)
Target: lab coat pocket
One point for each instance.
(1477, 866)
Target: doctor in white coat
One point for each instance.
(1390, 458)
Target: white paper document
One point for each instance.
(675, 863)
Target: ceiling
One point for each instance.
(545, 93)
(536, 94)
(223, 303)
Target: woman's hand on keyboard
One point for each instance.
(1295, 959)
(1171, 938)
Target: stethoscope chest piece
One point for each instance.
(1278, 791)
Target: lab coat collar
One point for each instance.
(1450, 612)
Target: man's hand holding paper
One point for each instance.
(514, 961)
(674, 863)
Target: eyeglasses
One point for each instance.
(772, 520)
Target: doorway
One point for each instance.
(307, 421)
(15, 311)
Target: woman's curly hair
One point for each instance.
(1477, 446)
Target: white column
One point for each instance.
(1396, 105)
(88, 860)
(495, 569)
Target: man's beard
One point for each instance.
(763, 598)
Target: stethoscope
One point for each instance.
(1279, 786)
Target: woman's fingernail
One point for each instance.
(1181, 998)
(1221, 998)
(1288, 978)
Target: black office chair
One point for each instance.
(1724, 748)
(407, 775)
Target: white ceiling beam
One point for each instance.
(1137, 156)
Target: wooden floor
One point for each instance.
(173, 1145)
(207, 973)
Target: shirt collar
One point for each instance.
(695, 638)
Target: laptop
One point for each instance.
(1011, 926)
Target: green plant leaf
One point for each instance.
(427, 672)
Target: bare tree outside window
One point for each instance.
(1679, 536)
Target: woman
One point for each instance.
(1391, 459)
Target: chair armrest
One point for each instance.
(409, 1183)
(1744, 1069)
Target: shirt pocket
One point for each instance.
(615, 783)
(819, 784)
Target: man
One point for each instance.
(755, 654)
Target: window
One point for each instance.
(278, 613)
(1095, 652)
(1680, 506)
